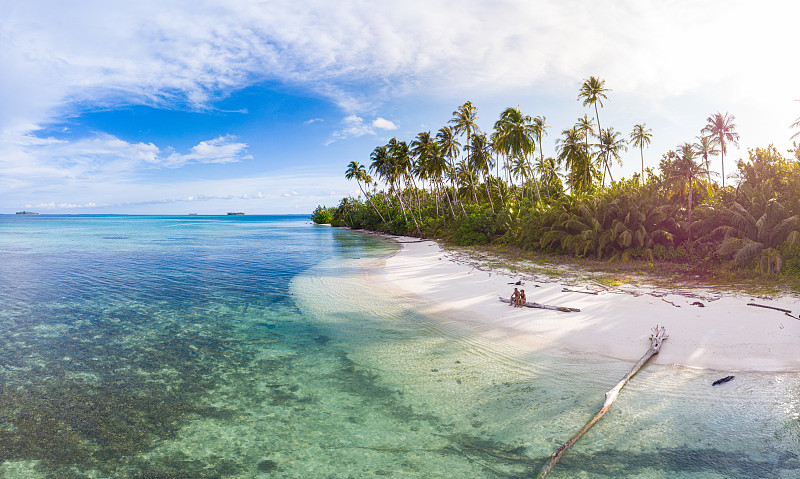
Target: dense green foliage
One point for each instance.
(501, 191)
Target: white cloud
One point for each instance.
(384, 124)
(354, 126)
(313, 120)
(102, 158)
(218, 150)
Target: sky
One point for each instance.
(176, 107)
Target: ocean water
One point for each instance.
(260, 347)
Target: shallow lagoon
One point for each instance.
(155, 347)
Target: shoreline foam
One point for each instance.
(724, 334)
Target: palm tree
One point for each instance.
(381, 166)
(641, 136)
(518, 137)
(573, 155)
(398, 151)
(420, 148)
(683, 174)
(722, 130)
(496, 145)
(449, 147)
(501, 146)
(547, 169)
(585, 126)
(482, 161)
(357, 171)
(437, 166)
(705, 148)
(464, 121)
(520, 169)
(611, 144)
(592, 92)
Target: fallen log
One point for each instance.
(529, 304)
(658, 336)
(567, 290)
(770, 307)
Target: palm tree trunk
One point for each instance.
(690, 209)
(535, 183)
(372, 204)
(722, 158)
(449, 203)
(488, 193)
(455, 188)
(641, 152)
(472, 186)
(600, 134)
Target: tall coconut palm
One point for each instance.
(465, 121)
(585, 126)
(641, 136)
(398, 151)
(420, 148)
(496, 145)
(381, 166)
(683, 173)
(482, 161)
(357, 171)
(593, 91)
(705, 148)
(573, 155)
(518, 138)
(546, 167)
(611, 143)
(722, 130)
(449, 145)
(519, 168)
(437, 166)
(540, 130)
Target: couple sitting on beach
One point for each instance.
(517, 298)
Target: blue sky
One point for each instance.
(162, 107)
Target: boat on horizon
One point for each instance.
(234, 213)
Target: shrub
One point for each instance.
(322, 215)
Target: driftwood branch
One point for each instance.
(529, 304)
(567, 290)
(658, 336)
(770, 307)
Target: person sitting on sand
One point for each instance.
(521, 299)
(514, 297)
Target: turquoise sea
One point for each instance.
(260, 347)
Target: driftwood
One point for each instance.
(528, 304)
(670, 302)
(770, 307)
(658, 336)
(722, 381)
(567, 290)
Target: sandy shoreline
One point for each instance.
(725, 334)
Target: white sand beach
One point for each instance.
(723, 334)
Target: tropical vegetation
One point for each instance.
(500, 187)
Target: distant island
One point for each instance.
(32, 213)
(236, 213)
